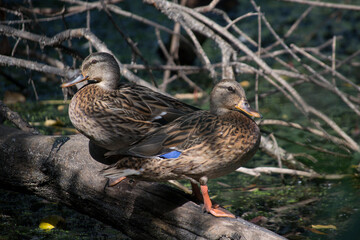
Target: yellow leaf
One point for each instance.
(347, 84)
(51, 222)
(254, 190)
(61, 108)
(324, 227)
(245, 84)
(213, 197)
(52, 122)
(315, 231)
(46, 226)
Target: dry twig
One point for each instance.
(16, 119)
(274, 170)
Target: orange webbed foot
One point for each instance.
(214, 210)
(220, 212)
(117, 181)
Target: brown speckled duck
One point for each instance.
(114, 115)
(197, 146)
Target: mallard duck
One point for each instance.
(113, 115)
(196, 146)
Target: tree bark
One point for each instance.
(61, 169)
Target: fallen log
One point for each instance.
(61, 169)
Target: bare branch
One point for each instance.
(40, 67)
(292, 28)
(268, 147)
(209, 7)
(326, 4)
(59, 38)
(121, 12)
(16, 119)
(308, 129)
(339, 75)
(275, 34)
(201, 52)
(354, 146)
(271, 170)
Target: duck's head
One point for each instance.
(100, 67)
(228, 95)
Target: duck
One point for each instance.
(113, 114)
(197, 146)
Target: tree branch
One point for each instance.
(327, 4)
(16, 119)
(40, 67)
(270, 170)
(61, 169)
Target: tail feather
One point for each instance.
(112, 172)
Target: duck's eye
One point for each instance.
(231, 89)
(94, 61)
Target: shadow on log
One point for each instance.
(61, 169)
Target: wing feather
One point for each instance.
(178, 135)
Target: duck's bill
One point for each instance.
(244, 106)
(78, 79)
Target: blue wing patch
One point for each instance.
(173, 154)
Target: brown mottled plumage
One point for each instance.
(206, 144)
(113, 114)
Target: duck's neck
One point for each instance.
(108, 86)
(218, 111)
(236, 118)
(110, 80)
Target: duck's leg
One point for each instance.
(216, 211)
(196, 191)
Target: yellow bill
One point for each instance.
(244, 106)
